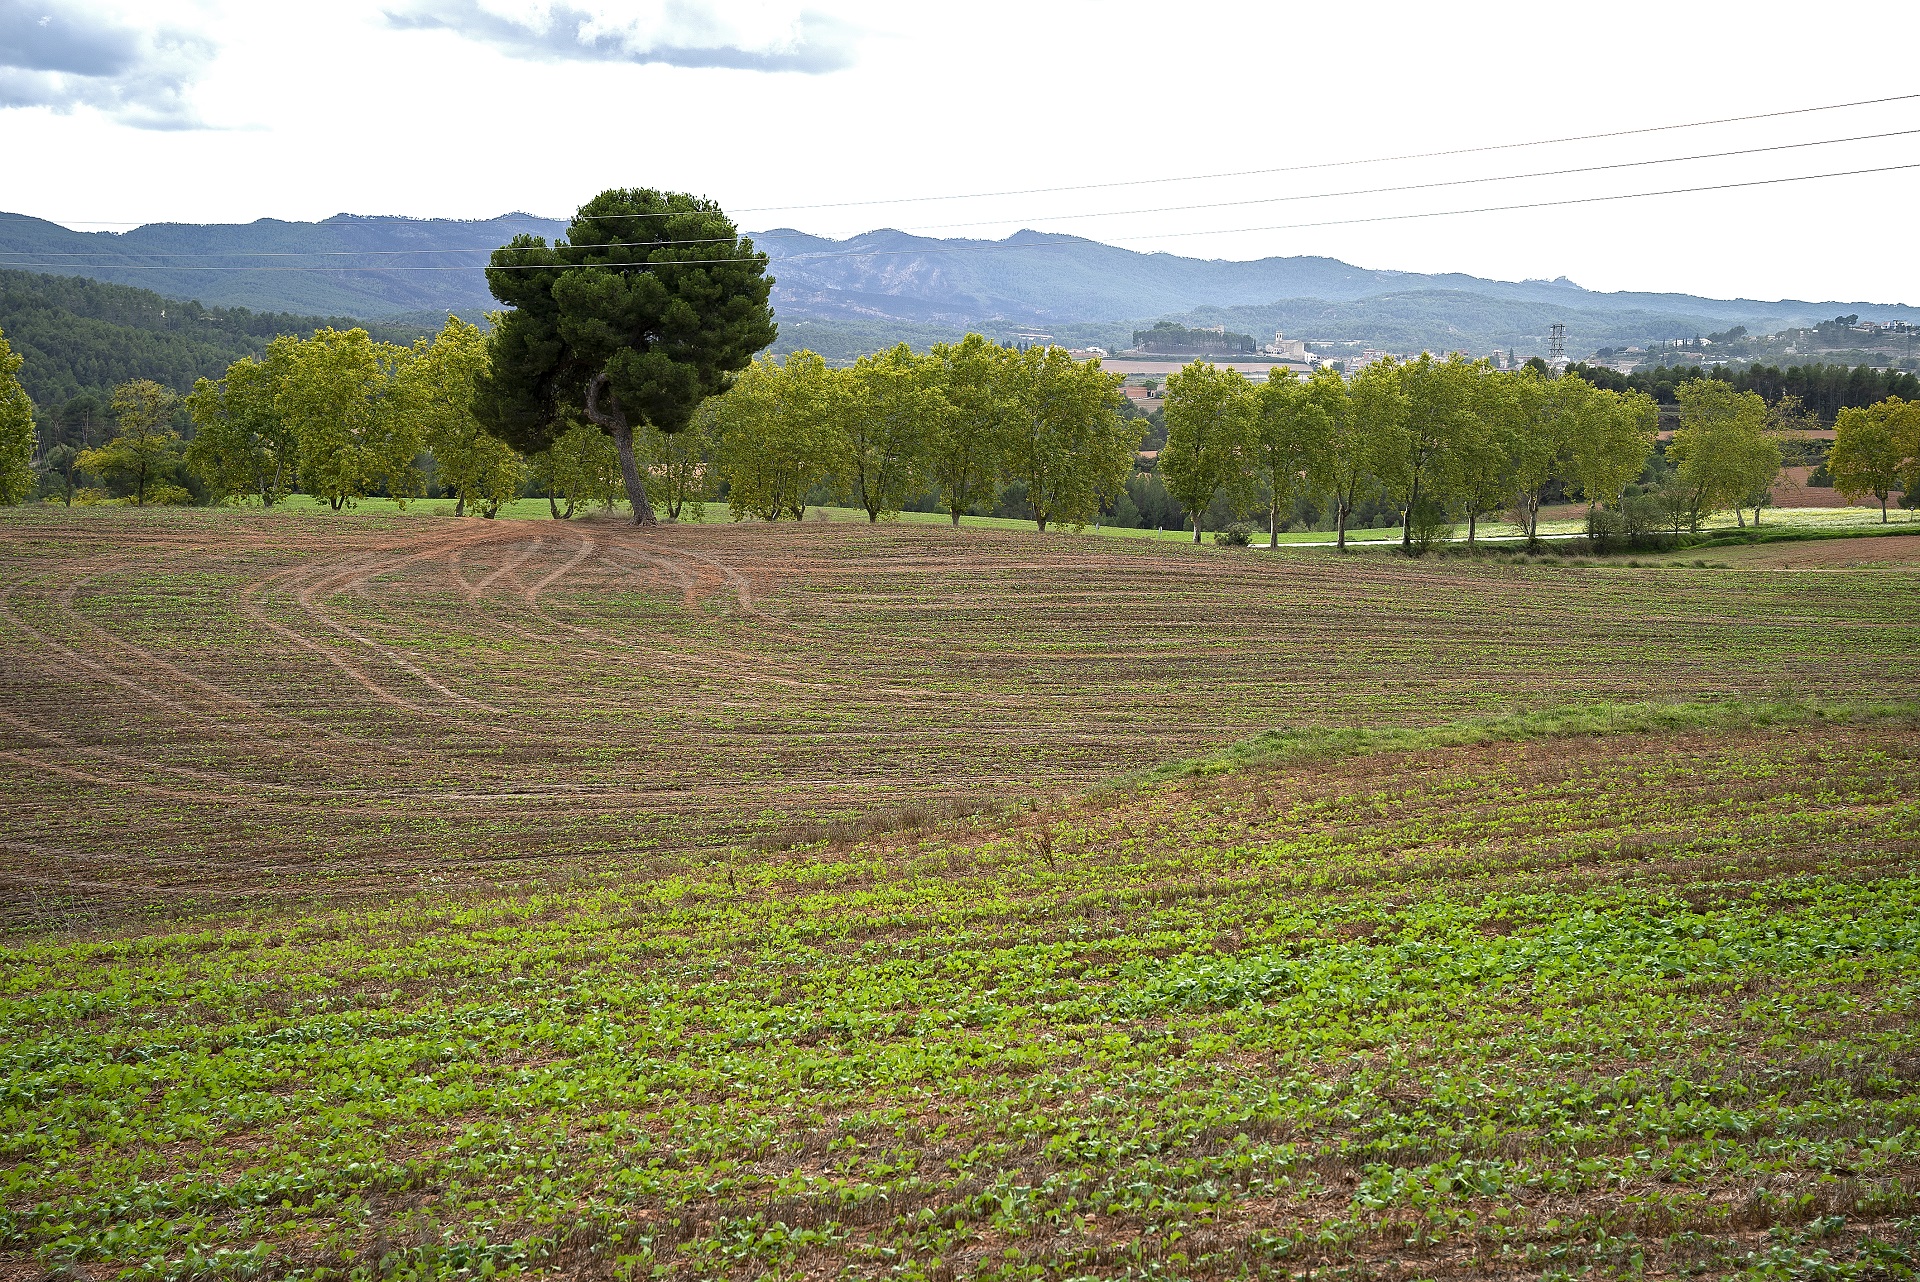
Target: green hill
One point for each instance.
(84, 336)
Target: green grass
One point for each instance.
(1570, 721)
(1648, 1006)
(395, 897)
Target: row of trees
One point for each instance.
(1441, 438)
(963, 420)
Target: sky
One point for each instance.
(969, 119)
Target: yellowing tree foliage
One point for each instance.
(145, 450)
(1876, 448)
(434, 393)
(338, 394)
(16, 429)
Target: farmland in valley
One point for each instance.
(408, 897)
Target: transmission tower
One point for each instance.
(1557, 347)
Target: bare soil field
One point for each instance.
(1885, 552)
(207, 711)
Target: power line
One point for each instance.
(1074, 240)
(1113, 213)
(1138, 182)
(1450, 182)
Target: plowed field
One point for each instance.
(210, 710)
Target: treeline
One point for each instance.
(1176, 339)
(1436, 440)
(340, 416)
(81, 338)
(969, 427)
(1821, 390)
(966, 421)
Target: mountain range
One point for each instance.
(846, 296)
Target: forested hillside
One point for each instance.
(360, 266)
(84, 336)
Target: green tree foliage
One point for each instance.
(1411, 441)
(434, 392)
(580, 466)
(887, 416)
(1615, 434)
(339, 396)
(1876, 449)
(777, 435)
(1344, 469)
(963, 447)
(1210, 415)
(1063, 442)
(17, 439)
(1824, 390)
(1291, 436)
(1721, 450)
(681, 463)
(1481, 460)
(649, 307)
(241, 442)
(145, 451)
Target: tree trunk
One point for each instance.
(1196, 529)
(553, 504)
(1473, 521)
(1341, 507)
(1883, 511)
(1040, 522)
(614, 420)
(460, 508)
(956, 520)
(1273, 525)
(1740, 517)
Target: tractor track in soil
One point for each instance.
(354, 701)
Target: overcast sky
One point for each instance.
(228, 111)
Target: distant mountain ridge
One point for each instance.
(885, 285)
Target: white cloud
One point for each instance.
(63, 55)
(678, 33)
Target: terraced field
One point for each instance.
(409, 898)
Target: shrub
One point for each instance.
(1429, 525)
(1237, 535)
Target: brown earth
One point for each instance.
(205, 710)
(1889, 551)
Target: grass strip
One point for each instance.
(1312, 743)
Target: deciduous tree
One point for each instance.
(892, 402)
(145, 450)
(1062, 437)
(1480, 461)
(650, 306)
(16, 429)
(1344, 469)
(1411, 447)
(1290, 439)
(241, 442)
(1613, 434)
(777, 435)
(1874, 450)
(581, 466)
(963, 447)
(338, 395)
(1210, 414)
(435, 389)
(1720, 450)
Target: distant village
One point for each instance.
(1160, 351)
